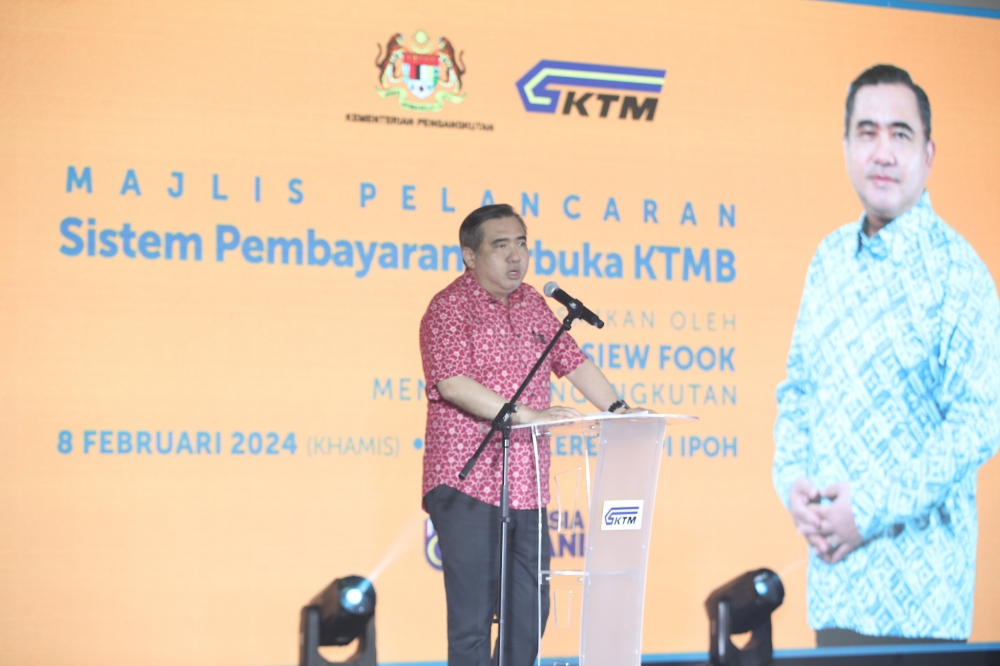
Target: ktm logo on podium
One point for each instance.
(622, 515)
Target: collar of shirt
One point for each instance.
(891, 238)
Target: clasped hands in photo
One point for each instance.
(828, 527)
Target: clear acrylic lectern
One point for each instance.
(603, 475)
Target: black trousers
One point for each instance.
(469, 536)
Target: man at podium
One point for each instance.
(479, 338)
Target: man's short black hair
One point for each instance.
(888, 74)
(470, 234)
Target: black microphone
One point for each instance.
(577, 308)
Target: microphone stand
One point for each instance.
(502, 422)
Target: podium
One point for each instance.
(603, 473)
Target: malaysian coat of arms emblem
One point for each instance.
(420, 72)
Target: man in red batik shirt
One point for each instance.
(478, 339)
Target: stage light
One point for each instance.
(741, 605)
(342, 613)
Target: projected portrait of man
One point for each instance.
(478, 339)
(892, 400)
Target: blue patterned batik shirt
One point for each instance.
(894, 385)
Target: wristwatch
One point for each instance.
(618, 404)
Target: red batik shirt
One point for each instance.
(465, 331)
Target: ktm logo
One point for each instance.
(538, 97)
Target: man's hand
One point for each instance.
(803, 505)
(525, 415)
(837, 523)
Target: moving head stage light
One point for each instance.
(340, 614)
(741, 605)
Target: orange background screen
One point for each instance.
(272, 114)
